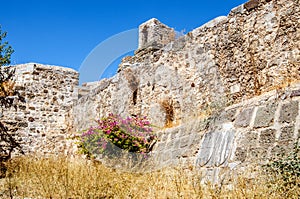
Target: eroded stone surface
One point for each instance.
(267, 137)
(236, 60)
(215, 148)
(243, 118)
(154, 34)
(288, 112)
(43, 120)
(265, 116)
(287, 133)
(251, 4)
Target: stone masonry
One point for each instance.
(232, 86)
(42, 120)
(253, 50)
(223, 96)
(253, 131)
(154, 34)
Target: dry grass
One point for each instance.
(60, 177)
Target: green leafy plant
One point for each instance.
(5, 50)
(133, 134)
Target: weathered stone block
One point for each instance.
(154, 34)
(240, 154)
(235, 88)
(176, 143)
(227, 116)
(206, 149)
(244, 117)
(251, 4)
(170, 144)
(267, 137)
(278, 150)
(238, 9)
(257, 154)
(289, 112)
(224, 146)
(184, 142)
(250, 139)
(287, 133)
(284, 145)
(215, 148)
(264, 116)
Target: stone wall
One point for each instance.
(253, 131)
(225, 95)
(222, 96)
(43, 121)
(255, 49)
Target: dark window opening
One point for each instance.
(134, 96)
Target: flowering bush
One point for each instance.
(133, 134)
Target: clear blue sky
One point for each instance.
(63, 32)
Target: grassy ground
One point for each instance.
(60, 177)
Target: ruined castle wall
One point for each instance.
(43, 121)
(225, 95)
(251, 132)
(253, 50)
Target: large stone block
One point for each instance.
(252, 4)
(215, 148)
(155, 34)
(227, 116)
(206, 149)
(257, 154)
(244, 117)
(240, 154)
(289, 112)
(265, 116)
(287, 133)
(250, 139)
(267, 137)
